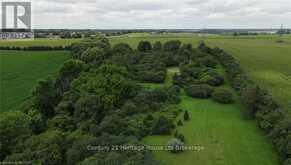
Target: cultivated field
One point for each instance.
(20, 71)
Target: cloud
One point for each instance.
(160, 13)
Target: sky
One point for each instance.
(161, 14)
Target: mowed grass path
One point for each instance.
(20, 71)
(266, 61)
(228, 137)
(227, 134)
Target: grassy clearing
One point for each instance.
(262, 57)
(37, 42)
(20, 71)
(228, 136)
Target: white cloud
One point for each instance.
(161, 13)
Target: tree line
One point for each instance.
(35, 48)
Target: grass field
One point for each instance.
(37, 42)
(266, 61)
(20, 71)
(227, 134)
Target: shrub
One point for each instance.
(173, 45)
(208, 61)
(186, 116)
(222, 95)
(180, 123)
(157, 46)
(144, 46)
(175, 145)
(163, 126)
(179, 136)
(199, 91)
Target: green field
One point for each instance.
(227, 134)
(20, 71)
(266, 61)
(37, 42)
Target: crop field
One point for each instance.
(20, 71)
(262, 57)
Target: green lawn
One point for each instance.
(227, 134)
(266, 61)
(20, 71)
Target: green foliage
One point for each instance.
(88, 107)
(46, 147)
(179, 123)
(250, 97)
(157, 46)
(14, 127)
(186, 116)
(199, 91)
(222, 95)
(144, 46)
(212, 78)
(122, 49)
(94, 56)
(38, 121)
(173, 45)
(63, 123)
(45, 97)
(109, 83)
(163, 126)
(208, 61)
(79, 48)
(68, 72)
(179, 136)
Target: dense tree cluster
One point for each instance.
(95, 99)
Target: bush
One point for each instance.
(186, 116)
(144, 46)
(222, 95)
(180, 123)
(179, 136)
(208, 61)
(199, 91)
(173, 45)
(163, 126)
(175, 145)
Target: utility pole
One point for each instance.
(281, 30)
